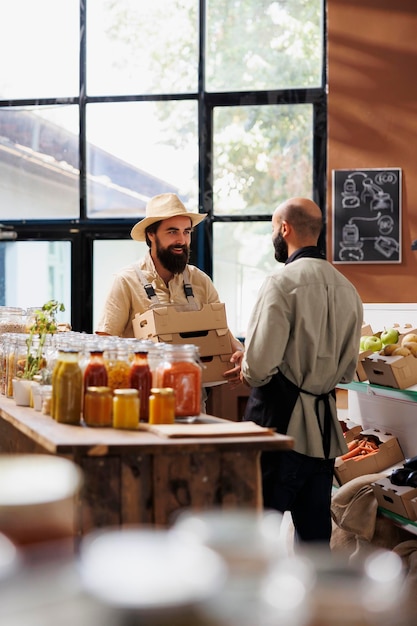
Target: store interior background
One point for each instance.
(372, 123)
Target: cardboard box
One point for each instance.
(413, 503)
(399, 372)
(388, 414)
(164, 320)
(395, 498)
(353, 433)
(209, 342)
(366, 330)
(214, 367)
(403, 329)
(361, 375)
(388, 454)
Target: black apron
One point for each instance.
(273, 404)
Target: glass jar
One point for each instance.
(95, 373)
(118, 367)
(181, 371)
(126, 408)
(98, 406)
(141, 379)
(162, 406)
(67, 388)
(12, 319)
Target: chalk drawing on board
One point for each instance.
(367, 216)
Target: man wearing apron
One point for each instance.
(302, 340)
(164, 275)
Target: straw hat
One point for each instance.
(163, 207)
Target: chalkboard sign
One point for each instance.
(367, 216)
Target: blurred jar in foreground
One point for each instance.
(327, 588)
(249, 541)
(37, 497)
(149, 575)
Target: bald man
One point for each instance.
(302, 340)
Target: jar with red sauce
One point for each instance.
(95, 373)
(180, 369)
(141, 379)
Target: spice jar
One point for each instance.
(126, 408)
(181, 371)
(67, 388)
(141, 379)
(162, 406)
(98, 406)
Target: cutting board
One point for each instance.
(231, 429)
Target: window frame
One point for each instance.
(84, 231)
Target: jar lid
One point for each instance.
(162, 391)
(126, 392)
(99, 390)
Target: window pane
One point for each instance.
(262, 155)
(109, 257)
(21, 286)
(242, 256)
(263, 44)
(137, 150)
(39, 156)
(39, 48)
(142, 46)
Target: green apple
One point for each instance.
(372, 343)
(389, 335)
(362, 342)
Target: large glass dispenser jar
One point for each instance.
(180, 369)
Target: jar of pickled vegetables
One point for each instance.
(98, 406)
(141, 379)
(67, 388)
(126, 408)
(162, 406)
(181, 371)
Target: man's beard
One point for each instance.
(173, 262)
(281, 248)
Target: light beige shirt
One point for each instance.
(306, 322)
(127, 296)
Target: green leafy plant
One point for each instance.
(44, 324)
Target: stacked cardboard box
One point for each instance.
(207, 329)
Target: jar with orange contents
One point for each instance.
(98, 406)
(162, 406)
(180, 369)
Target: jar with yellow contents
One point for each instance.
(118, 366)
(162, 405)
(126, 408)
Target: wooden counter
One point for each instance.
(137, 477)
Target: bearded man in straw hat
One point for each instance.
(164, 275)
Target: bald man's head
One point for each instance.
(304, 216)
